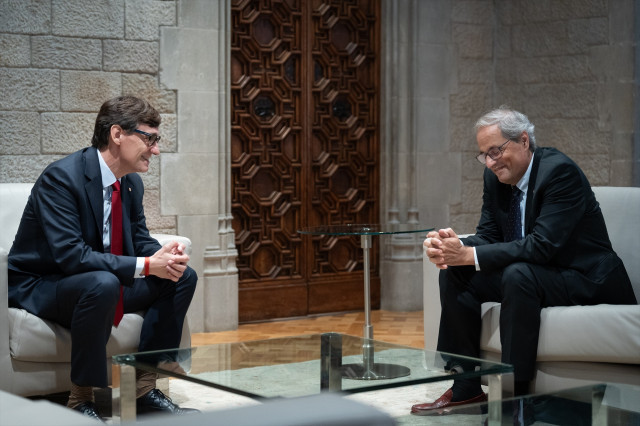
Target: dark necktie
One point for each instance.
(116, 240)
(514, 217)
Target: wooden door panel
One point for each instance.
(341, 295)
(282, 300)
(344, 152)
(304, 152)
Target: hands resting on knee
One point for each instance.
(444, 249)
(169, 262)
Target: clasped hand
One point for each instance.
(169, 262)
(444, 249)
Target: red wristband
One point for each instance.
(146, 266)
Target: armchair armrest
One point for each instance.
(431, 301)
(163, 239)
(167, 238)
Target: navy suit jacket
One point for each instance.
(564, 226)
(60, 233)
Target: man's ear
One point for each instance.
(524, 137)
(115, 133)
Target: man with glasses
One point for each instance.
(541, 241)
(83, 256)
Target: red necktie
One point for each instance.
(116, 240)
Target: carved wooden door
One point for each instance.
(305, 151)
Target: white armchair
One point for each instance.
(578, 344)
(35, 354)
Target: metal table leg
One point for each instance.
(123, 394)
(330, 362)
(500, 387)
(369, 369)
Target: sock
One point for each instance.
(464, 389)
(145, 382)
(80, 394)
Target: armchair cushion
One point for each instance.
(599, 333)
(36, 340)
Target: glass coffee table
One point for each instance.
(368, 368)
(296, 366)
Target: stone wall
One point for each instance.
(59, 60)
(568, 65)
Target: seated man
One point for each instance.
(541, 241)
(83, 255)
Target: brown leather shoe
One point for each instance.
(441, 404)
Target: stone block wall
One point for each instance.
(567, 64)
(59, 60)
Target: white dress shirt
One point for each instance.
(523, 185)
(108, 179)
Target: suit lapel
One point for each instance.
(93, 188)
(532, 191)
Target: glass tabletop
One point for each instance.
(303, 365)
(365, 229)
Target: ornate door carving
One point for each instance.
(305, 151)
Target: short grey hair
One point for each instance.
(510, 122)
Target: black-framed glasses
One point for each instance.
(150, 139)
(494, 153)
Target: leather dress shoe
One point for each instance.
(88, 409)
(155, 401)
(443, 404)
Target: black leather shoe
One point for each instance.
(155, 401)
(89, 409)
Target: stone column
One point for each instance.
(419, 177)
(195, 181)
(636, 134)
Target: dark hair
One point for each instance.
(126, 111)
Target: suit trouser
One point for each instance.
(523, 289)
(86, 303)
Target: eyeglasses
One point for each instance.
(151, 138)
(494, 153)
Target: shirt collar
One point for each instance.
(108, 178)
(523, 183)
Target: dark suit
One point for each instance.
(58, 269)
(565, 258)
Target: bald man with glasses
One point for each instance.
(541, 241)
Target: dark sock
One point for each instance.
(464, 389)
